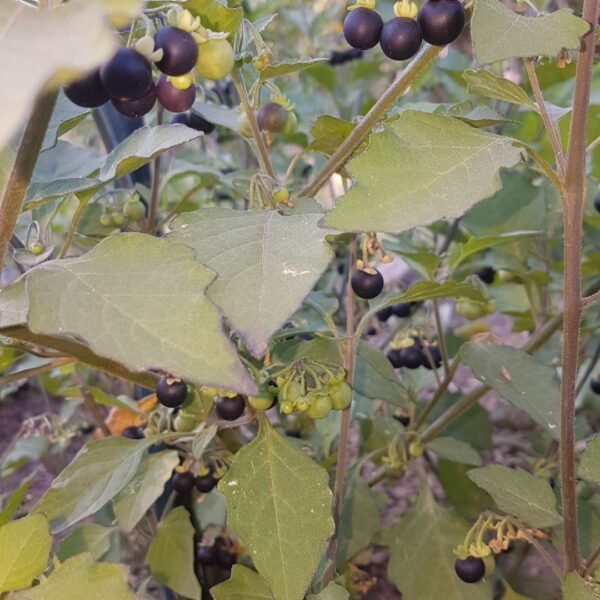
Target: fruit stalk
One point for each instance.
(154, 186)
(345, 150)
(573, 197)
(22, 169)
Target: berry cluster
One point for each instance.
(438, 22)
(127, 78)
(221, 553)
(413, 353)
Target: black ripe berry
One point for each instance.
(595, 386)
(194, 121)
(403, 309)
(394, 357)
(384, 314)
(367, 285)
(470, 569)
(434, 355)
(206, 555)
(180, 51)
(339, 58)
(183, 482)
(171, 392)
(136, 108)
(441, 21)
(225, 556)
(206, 483)
(87, 91)
(401, 38)
(412, 357)
(486, 274)
(272, 117)
(362, 28)
(230, 409)
(133, 433)
(597, 202)
(127, 75)
(173, 99)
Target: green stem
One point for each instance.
(72, 227)
(154, 186)
(34, 371)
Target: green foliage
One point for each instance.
(243, 584)
(576, 588)
(589, 462)
(331, 592)
(455, 450)
(91, 538)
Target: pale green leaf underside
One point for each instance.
(491, 85)
(24, 551)
(575, 588)
(519, 493)
(287, 67)
(266, 265)
(498, 33)
(279, 503)
(589, 463)
(171, 554)
(141, 301)
(91, 538)
(427, 536)
(215, 15)
(244, 584)
(518, 378)
(332, 592)
(13, 304)
(423, 167)
(455, 450)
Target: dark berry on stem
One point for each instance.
(206, 555)
(384, 314)
(133, 433)
(412, 358)
(136, 108)
(172, 99)
(272, 117)
(230, 409)
(402, 310)
(395, 358)
(183, 482)
(171, 392)
(434, 355)
(127, 75)
(367, 285)
(441, 21)
(486, 274)
(225, 556)
(194, 121)
(470, 569)
(401, 38)
(595, 385)
(87, 91)
(362, 28)
(597, 202)
(206, 483)
(180, 51)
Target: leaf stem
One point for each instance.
(154, 186)
(573, 196)
(91, 405)
(35, 371)
(19, 177)
(591, 561)
(440, 336)
(72, 227)
(345, 150)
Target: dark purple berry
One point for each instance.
(441, 21)
(195, 121)
(595, 385)
(434, 355)
(597, 202)
(87, 91)
(401, 38)
(230, 409)
(225, 556)
(403, 309)
(470, 569)
(206, 483)
(367, 285)
(127, 75)
(486, 274)
(133, 433)
(272, 117)
(394, 357)
(183, 482)
(206, 555)
(180, 51)
(412, 357)
(340, 58)
(136, 108)
(171, 392)
(362, 28)
(384, 314)
(172, 99)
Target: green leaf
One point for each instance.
(202, 439)
(122, 402)
(490, 85)
(455, 450)
(215, 15)
(13, 304)
(441, 167)
(65, 116)
(576, 588)
(140, 301)
(217, 114)
(78, 578)
(287, 67)
(171, 554)
(498, 33)
(24, 551)
(589, 462)
(99, 471)
(80, 39)
(279, 503)
(332, 592)
(510, 594)
(329, 132)
(425, 537)
(518, 378)
(244, 584)
(91, 538)
(132, 503)
(266, 265)
(519, 493)
(12, 504)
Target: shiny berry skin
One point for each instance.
(230, 409)
(403, 309)
(206, 555)
(87, 91)
(412, 358)
(206, 483)
(183, 482)
(172, 99)
(401, 38)
(486, 274)
(597, 203)
(127, 75)
(595, 386)
(171, 392)
(436, 357)
(470, 569)
(441, 21)
(133, 433)
(367, 285)
(272, 117)
(180, 51)
(394, 357)
(136, 108)
(384, 314)
(362, 28)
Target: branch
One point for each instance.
(345, 150)
(587, 300)
(154, 186)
